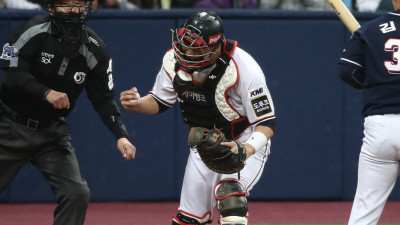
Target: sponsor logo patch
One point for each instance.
(214, 39)
(9, 52)
(46, 57)
(194, 96)
(261, 105)
(256, 92)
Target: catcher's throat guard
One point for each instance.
(215, 156)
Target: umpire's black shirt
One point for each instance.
(40, 65)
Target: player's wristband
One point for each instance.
(258, 140)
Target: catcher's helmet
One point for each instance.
(195, 43)
(72, 22)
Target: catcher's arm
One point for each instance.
(250, 149)
(131, 101)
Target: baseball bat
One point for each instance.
(345, 15)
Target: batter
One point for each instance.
(370, 63)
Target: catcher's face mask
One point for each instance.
(197, 43)
(191, 51)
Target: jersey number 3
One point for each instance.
(392, 45)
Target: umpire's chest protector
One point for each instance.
(206, 104)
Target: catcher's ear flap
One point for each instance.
(196, 135)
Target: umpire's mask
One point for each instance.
(70, 17)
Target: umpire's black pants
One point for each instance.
(50, 151)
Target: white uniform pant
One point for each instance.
(197, 195)
(378, 168)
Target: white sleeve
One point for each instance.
(256, 101)
(163, 89)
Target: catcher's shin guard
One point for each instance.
(231, 202)
(233, 220)
(184, 218)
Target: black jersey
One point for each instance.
(374, 49)
(34, 62)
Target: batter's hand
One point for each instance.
(127, 150)
(59, 100)
(130, 98)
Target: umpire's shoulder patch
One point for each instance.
(260, 102)
(9, 52)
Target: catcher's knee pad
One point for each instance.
(231, 202)
(184, 218)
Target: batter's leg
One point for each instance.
(375, 182)
(378, 168)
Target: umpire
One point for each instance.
(48, 62)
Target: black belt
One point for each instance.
(27, 122)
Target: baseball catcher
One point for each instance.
(219, 85)
(218, 158)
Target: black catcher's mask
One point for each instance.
(71, 22)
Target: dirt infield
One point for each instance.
(160, 213)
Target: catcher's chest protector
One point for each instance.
(205, 105)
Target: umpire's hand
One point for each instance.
(59, 100)
(127, 150)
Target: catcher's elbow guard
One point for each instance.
(231, 201)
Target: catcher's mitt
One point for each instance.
(217, 157)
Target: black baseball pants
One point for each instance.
(50, 151)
